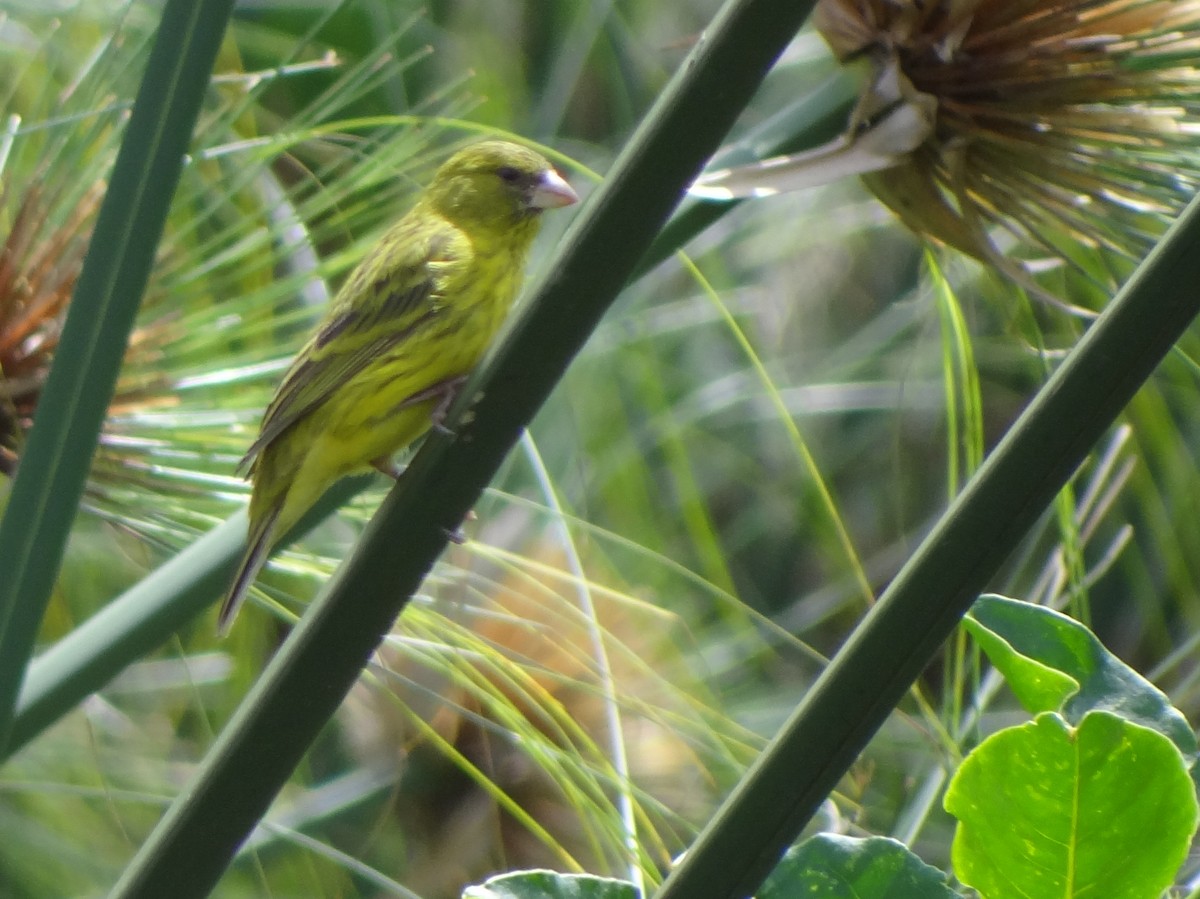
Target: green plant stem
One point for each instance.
(142, 618)
(311, 674)
(900, 635)
(54, 462)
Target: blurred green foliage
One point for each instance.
(717, 552)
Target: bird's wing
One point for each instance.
(355, 333)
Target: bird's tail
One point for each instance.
(257, 550)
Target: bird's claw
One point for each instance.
(386, 466)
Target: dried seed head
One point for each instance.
(1065, 121)
(1055, 119)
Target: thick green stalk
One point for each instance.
(925, 602)
(71, 409)
(310, 675)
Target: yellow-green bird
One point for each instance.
(399, 338)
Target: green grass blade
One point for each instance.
(899, 637)
(141, 619)
(132, 625)
(308, 678)
(50, 480)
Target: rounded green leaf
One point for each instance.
(1054, 663)
(1044, 809)
(550, 885)
(830, 866)
(1038, 685)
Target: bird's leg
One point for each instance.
(385, 465)
(458, 536)
(448, 392)
(444, 392)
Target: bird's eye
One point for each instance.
(508, 174)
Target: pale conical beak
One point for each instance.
(552, 192)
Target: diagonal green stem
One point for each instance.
(925, 602)
(310, 675)
(55, 461)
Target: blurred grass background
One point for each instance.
(662, 485)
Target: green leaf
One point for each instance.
(1054, 663)
(50, 480)
(837, 867)
(1038, 687)
(1044, 809)
(551, 885)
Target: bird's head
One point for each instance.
(496, 184)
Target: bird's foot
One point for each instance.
(446, 392)
(385, 465)
(457, 536)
